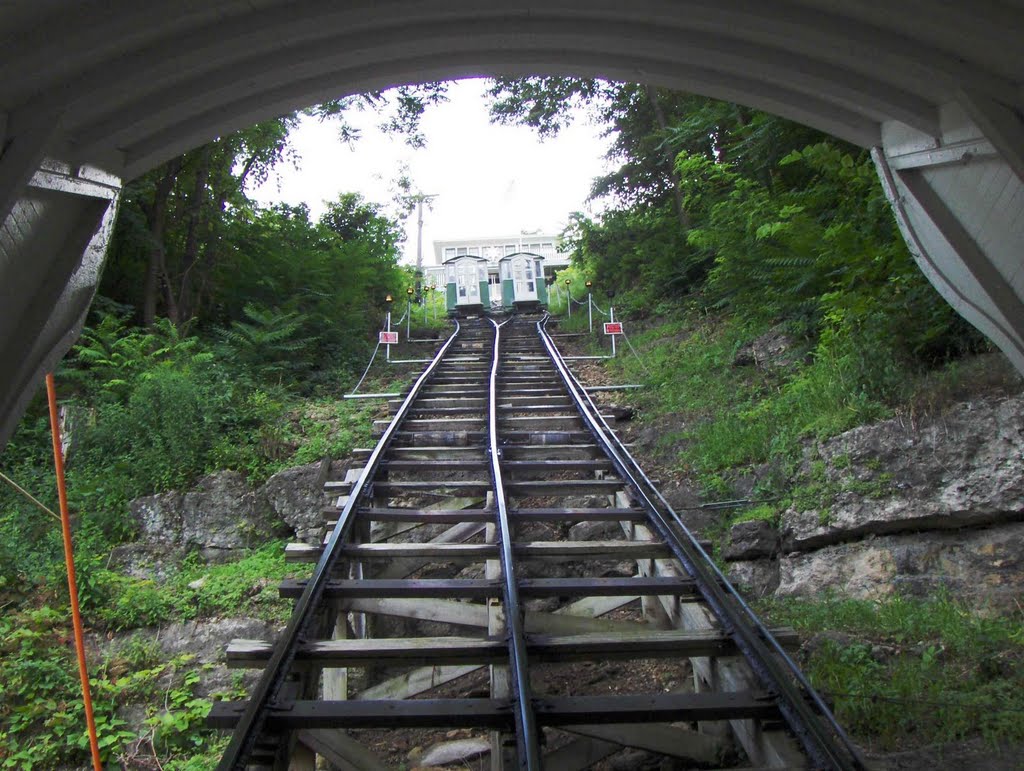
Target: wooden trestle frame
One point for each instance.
(495, 424)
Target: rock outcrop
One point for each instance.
(296, 497)
(221, 516)
(915, 510)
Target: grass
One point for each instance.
(906, 671)
(245, 587)
(737, 417)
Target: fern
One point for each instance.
(271, 344)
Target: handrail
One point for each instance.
(747, 630)
(251, 722)
(526, 728)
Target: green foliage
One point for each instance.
(761, 513)
(825, 255)
(319, 287)
(931, 669)
(42, 724)
(247, 586)
(111, 354)
(333, 429)
(42, 720)
(766, 219)
(269, 344)
(644, 251)
(733, 417)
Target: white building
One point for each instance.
(492, 250)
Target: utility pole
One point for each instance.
(418, 199)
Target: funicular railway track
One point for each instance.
(498, 548)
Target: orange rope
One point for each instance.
(69, 560)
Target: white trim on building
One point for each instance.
(493, 249)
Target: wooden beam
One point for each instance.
(456, 552)
(580, 754)
(556, 464)
(469, 614)
(562, 621)
(414, 713)
(481, 588)
(562, 487)
(615, 514)
(639, 643)
(654, 708)
(432, 486)
(424, 453)
(440, 465)
(1000, 123)
(440, 552)
(430, 516)
(590, 550)
(419, 680)
(400, 568)
(578, 618)
(497, 713)
(411, 651)
(341, 750)
(694, 747)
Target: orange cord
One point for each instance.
(69, 560)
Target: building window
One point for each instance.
(449, 252)
(461, 251)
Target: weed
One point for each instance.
(931, 669)
(246, 586)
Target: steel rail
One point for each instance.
(745, 628)
(251, 723)
(526, 724)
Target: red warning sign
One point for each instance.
(613, 327)
(389, 338)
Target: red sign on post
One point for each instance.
(388, 338)
(613, 327)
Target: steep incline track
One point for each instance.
(502, 567)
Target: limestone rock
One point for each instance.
(159, 518)
(750, 540)
(964, 469)
(594, 531)
(755, 578)
(139, 560)
(207, 642)
(457, 751)
(983, 567)
(296, 497)
(222, 513)
(773, 349)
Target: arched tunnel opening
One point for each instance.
(97, 97)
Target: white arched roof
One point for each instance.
(134, 83)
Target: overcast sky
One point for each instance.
(489, 180)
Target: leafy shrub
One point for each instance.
(270, 344)
(42, 721)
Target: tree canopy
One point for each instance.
(745, 212)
